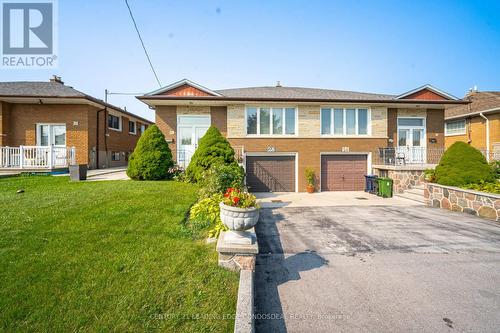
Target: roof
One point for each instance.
(53, 89)
(188, 90)
(480, 101)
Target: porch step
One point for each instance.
(414, 194)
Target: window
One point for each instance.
(51, 134)
(143, 128)
(417, 122)
(270, 121)
(115, 156)
(131, 127)
(114, 122)
(348, 121)
(455, 127)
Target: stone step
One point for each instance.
(419, 187)
(417, 191)
(412, 196)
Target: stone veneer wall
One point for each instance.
(486, 205)
(402, 179)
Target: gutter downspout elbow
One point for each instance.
(487, 136)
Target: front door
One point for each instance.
(411, 141)
(190, 130)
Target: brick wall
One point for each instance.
(4, 123)
(166, 120)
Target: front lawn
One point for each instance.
(107, 256)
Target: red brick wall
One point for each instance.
(218, 116)
(166, 120)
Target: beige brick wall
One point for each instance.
(379, 121)
(186, 110)
(235, 121)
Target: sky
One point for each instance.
(369, 46)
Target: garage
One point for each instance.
(343, 172)
(270, 173)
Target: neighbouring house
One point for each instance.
(47, 125)
(477, 123)
(279, 131)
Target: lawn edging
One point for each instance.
(482, 204)
(244, 321)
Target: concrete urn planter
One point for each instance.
(239, 220)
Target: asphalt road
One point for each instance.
(376, 269)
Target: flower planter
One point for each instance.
(310, 188)
(238, 220)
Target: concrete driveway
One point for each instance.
(376, 269)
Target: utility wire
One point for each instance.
(142, 42)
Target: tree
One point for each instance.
(462, 164)
(212, 149)
(151, 158)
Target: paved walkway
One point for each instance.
(118, 173)
(376, 269)
(328, 199)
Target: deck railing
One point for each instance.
(36, 157)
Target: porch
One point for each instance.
(36, 158)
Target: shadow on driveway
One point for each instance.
(273, 268)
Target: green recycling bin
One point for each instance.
(385, 187)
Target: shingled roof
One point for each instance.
(300, 93)
(38, 89)
(480, 101)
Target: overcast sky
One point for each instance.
(370, 46)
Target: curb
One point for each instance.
(244, 321)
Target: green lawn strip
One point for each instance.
(106, 256)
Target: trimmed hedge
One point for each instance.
(213, 149)
(151, 158)
(463, 164)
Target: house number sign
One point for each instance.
(271, 149)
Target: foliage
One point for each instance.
(151, 158)
(177, 173)
(495, 166)
(221, 177)
(310, 176)
(462, 164)
(205, 212)
(111, 256)
(212, 149)
(237, 198)
(430, 175)
(216, 230)
(493, 187)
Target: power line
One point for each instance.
(142, 43)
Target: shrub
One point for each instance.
(495, 165)
(485, 187)
(206, 214)
(237, 198)
(213, 149)
(221, 177)
(151, 158)
(310, 176)
(462, 164)
(430, 175)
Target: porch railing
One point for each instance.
(36, 157)
(407, 156)
(184, 156)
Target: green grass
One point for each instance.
(107, 256)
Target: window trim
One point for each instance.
(135, 127)
(120, 125)
(344, 121)
(271, 134)
(39, 133)
(446, 133)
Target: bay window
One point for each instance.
(344, 121)
(270, 121)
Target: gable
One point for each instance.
(426, 94)
(185, 90)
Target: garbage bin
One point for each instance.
(385, 187)
(375, 186)
(78, 172)
(370, 181)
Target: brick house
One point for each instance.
(280, 131)
(477, 123)
(52, 114)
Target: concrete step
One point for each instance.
(419, 187)
(412, 196)
(417, 191)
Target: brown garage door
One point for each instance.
(343, 172)
(270, 173)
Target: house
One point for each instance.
(280, 131)
(477, 123)
(42, 119)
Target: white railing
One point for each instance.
(36, 157)
(408, 156)
(184, 156)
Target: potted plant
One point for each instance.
(239, 212)
(310, 179)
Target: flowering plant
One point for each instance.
(237, 198)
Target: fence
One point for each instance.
(36, 157)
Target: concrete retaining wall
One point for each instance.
(485, 205)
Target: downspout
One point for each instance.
(97, 137)
(487, 136)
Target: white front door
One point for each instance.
(190, 129)
(411, 141)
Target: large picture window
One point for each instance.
(270, 121)
(455, 127)
(345, 121)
